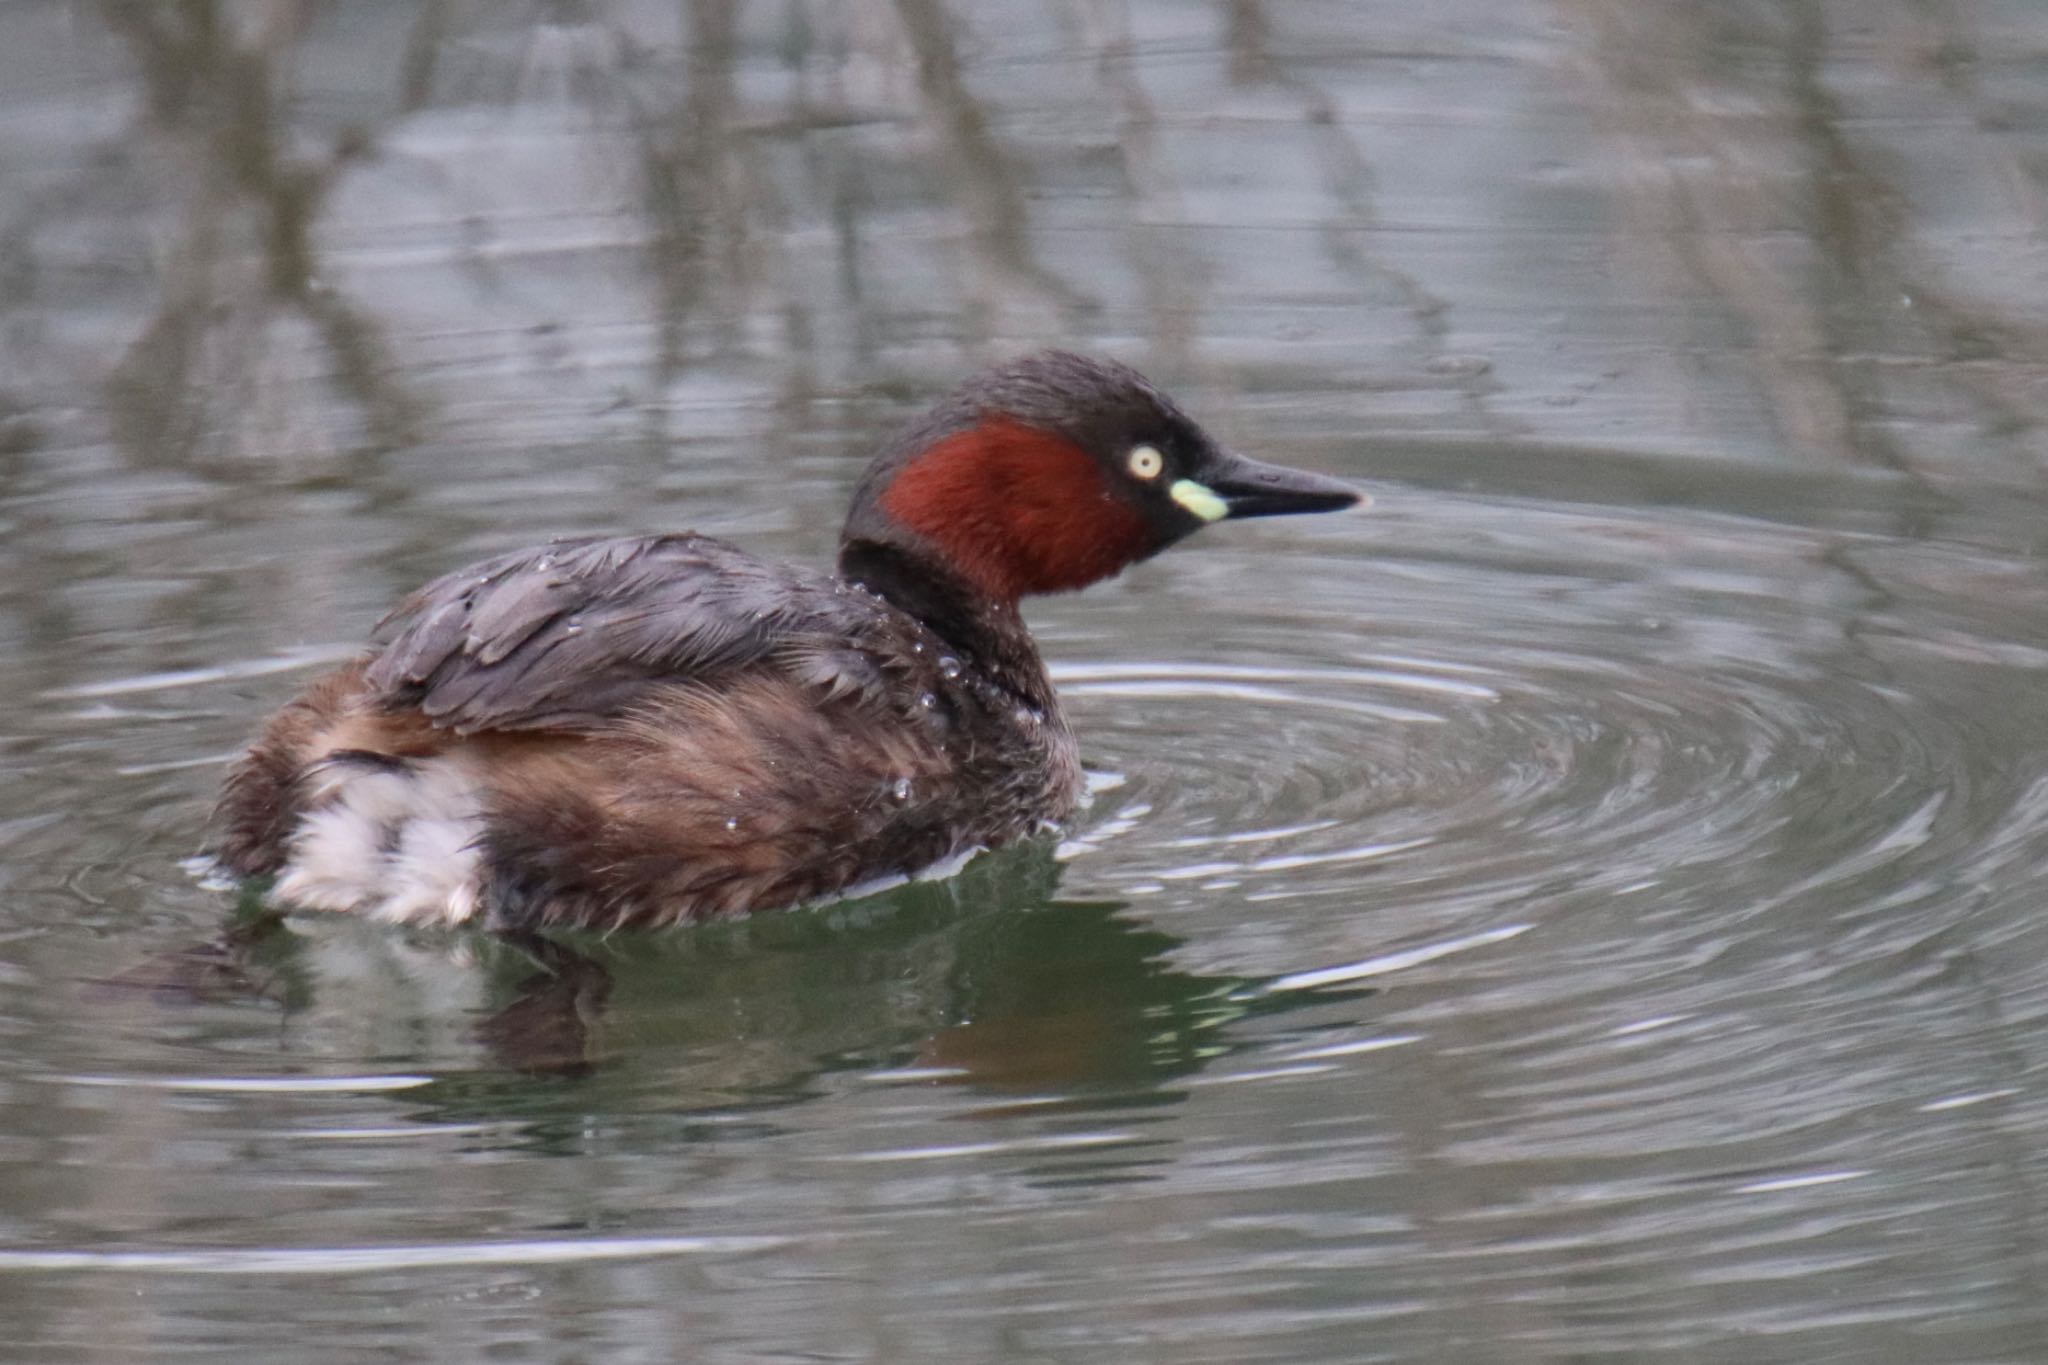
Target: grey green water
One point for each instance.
(1589, 907)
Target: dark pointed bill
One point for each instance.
(1233, 486)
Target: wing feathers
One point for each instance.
(568, 636)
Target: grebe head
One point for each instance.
(1055, 471)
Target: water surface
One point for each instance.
(1585, 908)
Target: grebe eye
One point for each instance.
(1146, 462)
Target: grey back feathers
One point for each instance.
(571, 635)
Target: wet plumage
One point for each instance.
(642, 730)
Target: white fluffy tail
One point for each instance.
(392, 838)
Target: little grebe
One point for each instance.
(651, 729)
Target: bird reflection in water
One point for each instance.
(983, 980)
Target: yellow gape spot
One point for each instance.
(1199, 499)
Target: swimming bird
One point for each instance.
(645, 730)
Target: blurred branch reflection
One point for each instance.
(332, 231)
(239, 271)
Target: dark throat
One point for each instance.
(989, 635)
